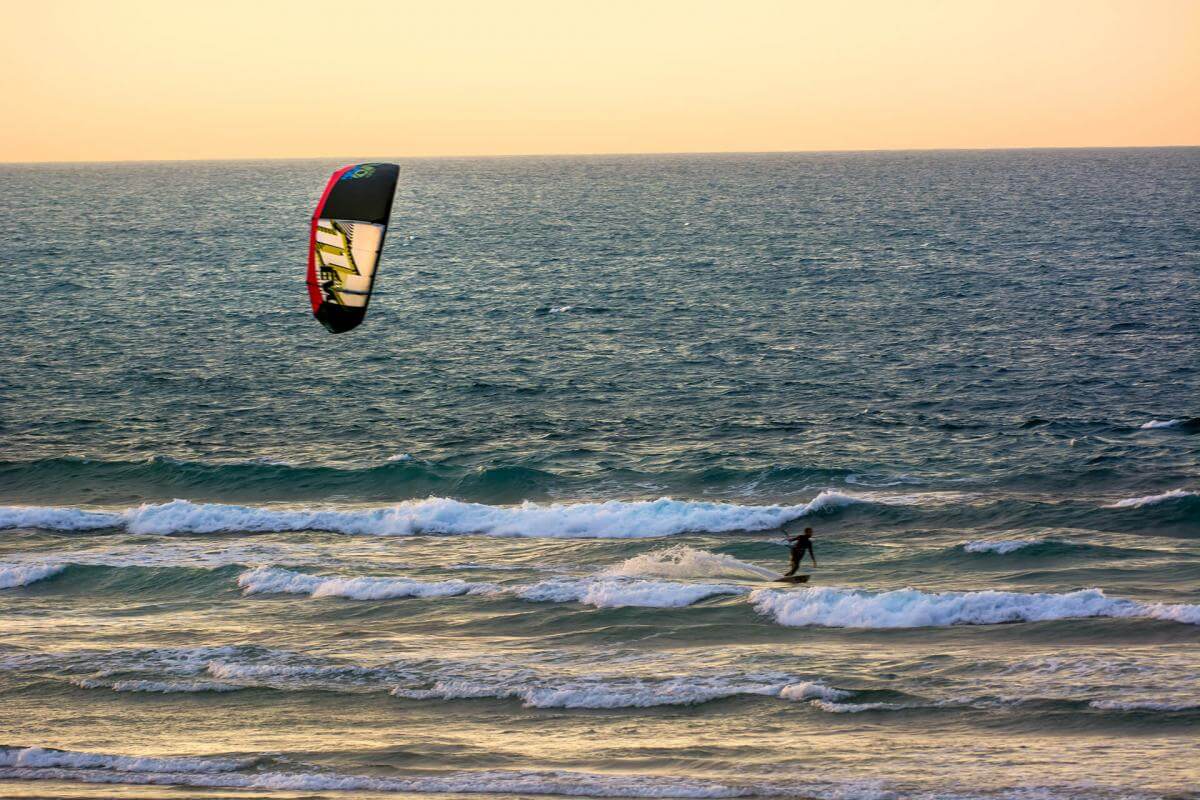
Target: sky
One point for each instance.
(115, 80)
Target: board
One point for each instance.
(792, 579)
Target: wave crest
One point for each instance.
(436, 515)
(620, 593)
(835, 607)
(681, 561)
(1153, 499)
(35, 763)
(1000, 546)
(271, 580)
(45, 757)
(14, 575)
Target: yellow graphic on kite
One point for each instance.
(335, 258)
(346, 254)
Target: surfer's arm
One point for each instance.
(812, 554)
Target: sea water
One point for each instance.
(514, 535)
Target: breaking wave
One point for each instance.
(909, 608)
(1143, 705)
(1153, 499)
(56, 519)
(44, 757)
(1001, 546)
(271, 580)
(156, 687)
(597, 693)
(812, 691)
(619, 593)
(610, 519)
(35, 763)
(681, 561)
(598, 592)
(1189, 423)
(14, 575)
(855, 708)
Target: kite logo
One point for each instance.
(334, 257)
(362, 171)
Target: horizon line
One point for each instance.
(481, 156)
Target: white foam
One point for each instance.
(561, 309)
(882, 481)
(160, 687)
(435, 515)
(1170, 612)
(1169, 423)
(1152, 499)
(400, 457)
(1143, 705)
(212, 773)
(909, 608)
(1001, 546)
(1089, 667)
(42, 757)
(681, 561)
(14, 575)
(104, 663)
(56, 519)
(854, 708)
(812, 691)
(593, 692)
(617, 593)
(264, 460)
(472, 565)
(271, 580)
(288, 675)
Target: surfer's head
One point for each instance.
(808, 532)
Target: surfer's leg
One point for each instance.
(795, 565)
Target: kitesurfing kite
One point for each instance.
(347, 235)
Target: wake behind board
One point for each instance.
(792, 579)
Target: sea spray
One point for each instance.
(681, 561)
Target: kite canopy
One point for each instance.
(347, 235)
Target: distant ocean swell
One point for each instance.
(157, 479)
(1175, 510)
(825, 606)
(399, 477)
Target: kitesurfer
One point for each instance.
(800, 545)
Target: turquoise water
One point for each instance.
(514, 535)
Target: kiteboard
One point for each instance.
(792, 579)
(345, 240)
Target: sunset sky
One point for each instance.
(151, 80)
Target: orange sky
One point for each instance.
(164, 80)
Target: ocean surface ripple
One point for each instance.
(518, 534)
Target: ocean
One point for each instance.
(516, 534)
